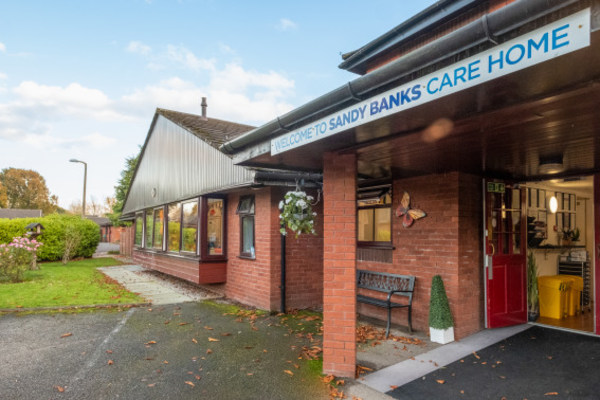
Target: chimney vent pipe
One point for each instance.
(204, 105)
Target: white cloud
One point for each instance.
(138, 47)
(286, 24)
(3, 76)
(187, 59)
(95, 141)
(2, 47)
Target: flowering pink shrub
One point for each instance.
(16, 257)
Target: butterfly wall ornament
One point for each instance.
(409, 214)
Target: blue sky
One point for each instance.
(81, 79)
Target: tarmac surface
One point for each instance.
(538, 363)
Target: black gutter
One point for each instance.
(478, 32)
(431, 16)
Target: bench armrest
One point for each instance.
(392, 292)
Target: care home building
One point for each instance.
(486, 113)
(203, 219)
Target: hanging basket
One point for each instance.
(297, 214)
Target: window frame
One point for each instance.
(168, 220)
(141, 215)
(250, 212)
(183, 203)
(154, 211)
(376, 243)
(203, 247)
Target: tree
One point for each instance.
(122, 188)
(26, 189)
(3, 197)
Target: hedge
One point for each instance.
(53, 236)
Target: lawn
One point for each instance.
(75, 284)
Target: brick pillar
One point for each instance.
(339, 264)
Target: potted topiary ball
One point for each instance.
(441, 324)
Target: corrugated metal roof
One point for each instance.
(213, 131)
(180, 160)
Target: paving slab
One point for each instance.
(155, 290)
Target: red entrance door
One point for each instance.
(505, 269)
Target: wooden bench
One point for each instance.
(393, 285)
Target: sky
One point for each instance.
(82, 79)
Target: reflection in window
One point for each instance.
(189, 235)
(174, 227)
(214, 226)
(149, 228)
(139, 229)
(374, 215)
(246, 212)
(158, 228)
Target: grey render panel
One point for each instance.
(178, 165)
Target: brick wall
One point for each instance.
(446, 242)
(339, 264)
(257, 281)
(185, 268)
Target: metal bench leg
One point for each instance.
(409, 320)
(389, 321)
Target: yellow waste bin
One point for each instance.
(552, 296)
(573, 300)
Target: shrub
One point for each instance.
(53, 235)
(440, 316)
(72, 240)
(16, 257)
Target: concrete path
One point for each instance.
(155, 290)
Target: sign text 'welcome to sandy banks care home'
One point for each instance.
(553, 40)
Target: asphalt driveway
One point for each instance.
(184, 351)
(538, 363)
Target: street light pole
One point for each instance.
(84, 182)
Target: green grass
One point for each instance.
(75, 284)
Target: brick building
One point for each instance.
(201, 218)
(484, 112)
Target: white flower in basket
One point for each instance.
(296, 213)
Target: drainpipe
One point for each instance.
(282, 287)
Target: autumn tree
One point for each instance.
(26, 189)
(122, 188)
(3, 197)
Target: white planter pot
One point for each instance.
(442, 336)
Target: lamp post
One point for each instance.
(84, 182)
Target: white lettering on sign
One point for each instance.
(551, 41)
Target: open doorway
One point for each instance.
(560, 239)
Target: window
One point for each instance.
(246, 212)
(189, 235)
(174, 227)
(214, 226)
(139, 229)
(374, 221)
(158, 228)
(149, 229)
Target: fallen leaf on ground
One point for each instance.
(208, 328)
(165, 362)
(151, 342)
(440, 381)
(60, 389)
(327, 379)
(194, 340)
(183, 323)
(208, 351)
(476, 355)
(110, 362)
(210, 339)
(190, 383)
(109, 351)
(340, 382)
(167, 322)
(551, 394)
(64, 335)
(393, 387)
(151, 384)
(287, 371)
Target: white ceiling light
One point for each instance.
(551, 165)
(553, 205)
